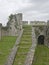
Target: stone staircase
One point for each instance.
(24, 46)
(23, 51)
(30, 55)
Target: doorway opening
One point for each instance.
(41, 39)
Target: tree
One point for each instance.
(11, 17)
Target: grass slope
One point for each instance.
(5, 47)
(25, 44)
(41, 55)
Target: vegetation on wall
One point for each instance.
(11, 17)
(48, 34)
(41, 28)
(10, 20)
(5, 28)
(0, 24)
(8, 24)
(37, 32)
(16, 22)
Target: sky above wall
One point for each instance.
(31, 9)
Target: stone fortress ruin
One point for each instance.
(15, 25)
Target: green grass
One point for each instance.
(25, 44)
(20, 59)
(6, 45)
(23, 50)
(41, 55)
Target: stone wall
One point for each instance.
(14, 25)
(43, 30)
(39, 30)
(47, 34)
(37, 23)
(12, 31)
(4, 32)
(25, 22)
(19, 20)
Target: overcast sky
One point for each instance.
(31, 9)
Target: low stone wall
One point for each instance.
(4, 33)
(25, 22)
(47, 35)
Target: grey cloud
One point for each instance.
(31, 9)
(39, 1)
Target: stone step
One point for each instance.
(22, 53)
(24, 47)
(30, 55)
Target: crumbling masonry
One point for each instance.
(15, 23)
